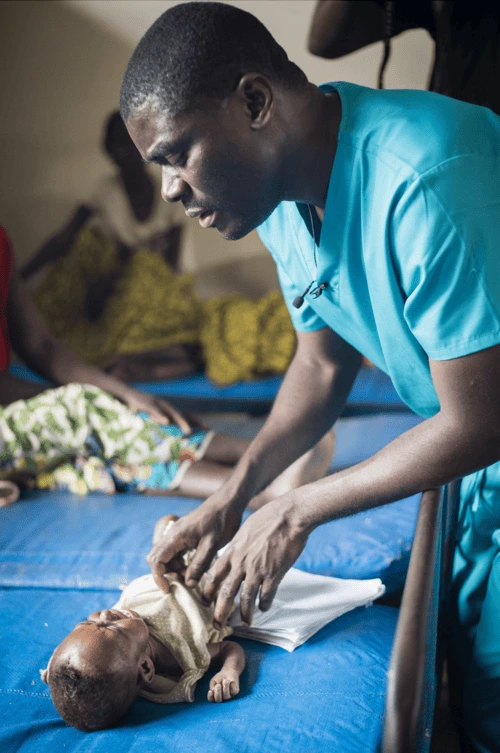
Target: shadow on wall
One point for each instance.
(60, 75)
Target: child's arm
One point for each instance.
(230, 657)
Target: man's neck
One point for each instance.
(309, 161)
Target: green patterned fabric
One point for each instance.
(78, 437)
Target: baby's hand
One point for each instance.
(224, 686)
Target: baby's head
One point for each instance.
(95, 674)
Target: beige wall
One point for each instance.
(61, 63)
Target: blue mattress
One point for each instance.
(63, 556)
(101, 542)
(326, 696)
(59, 540)
(372, 387)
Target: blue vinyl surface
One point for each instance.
(326, 696)
(59, 540)
(371, 386)
(64, 556)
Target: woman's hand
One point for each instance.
(206, 529)
(262, 551)
(159, 410)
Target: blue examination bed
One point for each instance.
(372, 392)
(63, 556)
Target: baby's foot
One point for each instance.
(224, 686)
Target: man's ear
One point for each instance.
(146, 670)
(257, 94)
(44, 675)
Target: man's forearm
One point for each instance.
(432, 454)
(308, 404)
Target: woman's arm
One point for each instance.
(59, 244)
(33, 342)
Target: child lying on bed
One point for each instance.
(82, 439)
(150, 644)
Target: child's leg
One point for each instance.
(312, 466)
(205, 477)
(202, 479)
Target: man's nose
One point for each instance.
(173, 187)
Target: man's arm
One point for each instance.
(313, 393)
(462, 438)
(311, 398)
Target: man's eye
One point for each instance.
(178, 160)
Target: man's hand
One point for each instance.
(159, 410)
(205, 529)
(263, 550)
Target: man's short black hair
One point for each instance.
(201, 48)
(89, 702)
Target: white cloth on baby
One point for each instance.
(304, 603)
(181, 622)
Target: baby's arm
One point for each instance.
(226, 683)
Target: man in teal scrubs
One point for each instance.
(382, 211)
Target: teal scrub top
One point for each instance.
(410, 241)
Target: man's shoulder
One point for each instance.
(415, 131)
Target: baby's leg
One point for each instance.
(205, 477)
(226, 683)
(202, 479)
(312, 466)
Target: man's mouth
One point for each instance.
(206, 219)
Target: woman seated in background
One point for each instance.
(102, 435)
(113, 296)
(89, 255)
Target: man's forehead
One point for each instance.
(150, 127)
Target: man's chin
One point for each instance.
(234, 231)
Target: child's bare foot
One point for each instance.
(224, 686)
(312, 466)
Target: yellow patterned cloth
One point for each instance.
(152, 308)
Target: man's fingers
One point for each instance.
(217, 572)
(247, 599)
(268, 592)
(161, 524)
(225, 599)
(158, 571)
(200, 562)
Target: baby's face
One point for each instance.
(109, 641)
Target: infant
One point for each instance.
(150, 644)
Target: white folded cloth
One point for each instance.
(304, 603)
